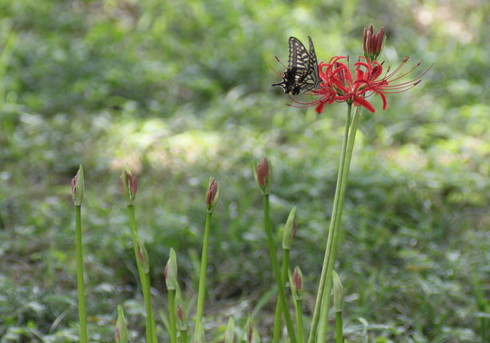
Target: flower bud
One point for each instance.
(212, 195)
(262, 174)
(180, 313)
(373, 42)
(78, 187)
(171, 271)
(230, 331)
(298, 281)
(180, 309)
(252, 333)
(181, 320)
(143, 256)
(289, 230)
(129, 185)
(338, 292)
(121, 334)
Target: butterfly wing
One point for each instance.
(301, 74)
(312, 79)
(299, 57)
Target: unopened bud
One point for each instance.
(373, 42)
(298, 282)
(129, 185)
(338, 292)
(143, 256)
(252, 334)
(179, 304)
(289, 230)
(78, 187)
(230, 331)
(262, 174)
(212, 195)
(171, 271)
(180, 313)
(121, 334)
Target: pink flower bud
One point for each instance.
(180, 313)
(78, 187)
(372, 43)
(298, 279)
(263, 172)
(212, 195)
(129, 185)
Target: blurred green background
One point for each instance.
(180, 91)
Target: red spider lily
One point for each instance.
(339, 85)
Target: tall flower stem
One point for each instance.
(322, 332)
(275, 269)
(339, 335)
(144, 279)
(149, 310)
(80, 282)
(325, 284)
(202, 278)
(277, 316)
(299, 319)
(171, 315)
(183, 336)
(277, 322)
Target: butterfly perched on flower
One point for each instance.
(301, 74)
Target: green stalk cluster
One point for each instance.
(318, 331)
(277, 273)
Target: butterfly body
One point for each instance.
(301, 74)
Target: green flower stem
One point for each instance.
(183, 336)
(275, 268)
(339, 335)
(171, 316)
(325, 284)
(80, 282)
(299, 320)
(202, 278)
(144, 279)
(149, 310)
(325, 305)
(284, 275)
(336, 230)
(277, 323)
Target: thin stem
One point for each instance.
(80, 281)
(150, 324)
(277, 322)
(322, 327)
(171, 316)
(299, 320)
(275, 268)
(183, 336)
(149, 310)
(285, 265)
(339, 335)
(336, 228)
(202, 278)
(328, 250)
(277, 315)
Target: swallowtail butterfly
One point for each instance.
(301, 74)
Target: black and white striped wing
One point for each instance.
(312, 79)
(299, 57)
(301, 74)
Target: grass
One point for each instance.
(181, 91)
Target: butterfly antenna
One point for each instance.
(275, 71)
